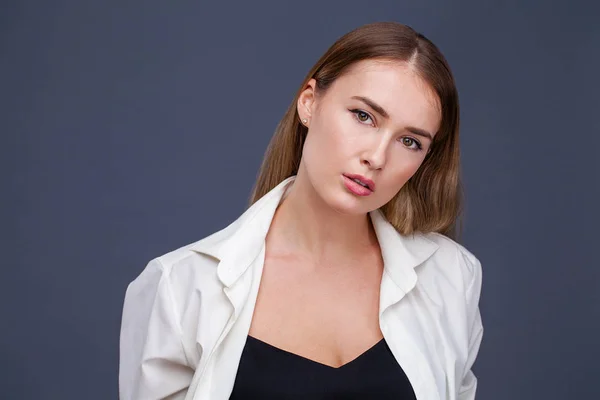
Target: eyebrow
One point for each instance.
(380, 110)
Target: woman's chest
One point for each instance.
(328, 313)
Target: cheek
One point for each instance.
(400, 172)
(329, 138)
(318, 152)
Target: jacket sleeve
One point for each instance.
(468, 384)
(152, 361)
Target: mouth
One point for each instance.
(362, 181)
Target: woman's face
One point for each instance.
(377, 121)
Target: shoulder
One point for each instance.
(187, 269)
(191, 266)
(455, 262)
(450, 248)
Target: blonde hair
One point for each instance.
(431, 200)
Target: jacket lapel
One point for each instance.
(236, 246)
(401, 254)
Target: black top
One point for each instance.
(268, 372)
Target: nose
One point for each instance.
(376, 156)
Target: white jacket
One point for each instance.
(187, 315)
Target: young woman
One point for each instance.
(341, 280)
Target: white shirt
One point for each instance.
(186, 317)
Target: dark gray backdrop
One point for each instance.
(129, 129)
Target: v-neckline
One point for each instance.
(303, 358)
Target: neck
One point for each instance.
(305, 225)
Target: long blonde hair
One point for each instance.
(431, 200)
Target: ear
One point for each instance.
(307, 101)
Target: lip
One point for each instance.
(364, 180)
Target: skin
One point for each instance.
(319, 293)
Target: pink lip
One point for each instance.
(355, 188)
(364, 180)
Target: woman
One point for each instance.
(341, 280)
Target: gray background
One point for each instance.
(129, 129)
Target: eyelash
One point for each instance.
(358, 111)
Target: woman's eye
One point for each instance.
(411, 143)
(361, 116)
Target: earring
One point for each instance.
(304, 121)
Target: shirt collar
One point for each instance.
(237, 245)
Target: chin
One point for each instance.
(346, 203)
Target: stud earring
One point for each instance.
(304, 121)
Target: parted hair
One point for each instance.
(431, 200)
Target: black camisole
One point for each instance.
(268, 372)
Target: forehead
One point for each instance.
(396, 87)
